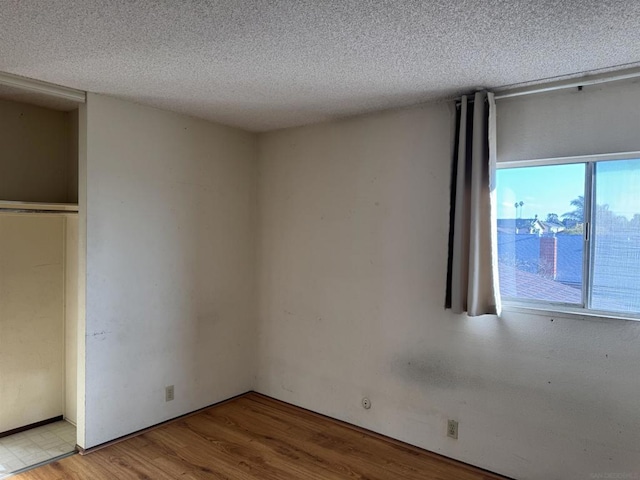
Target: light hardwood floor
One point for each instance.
(255, 437)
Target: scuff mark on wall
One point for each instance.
(433, 370)
(102, 335)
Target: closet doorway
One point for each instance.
(39, 272)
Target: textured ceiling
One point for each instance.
(267, 64)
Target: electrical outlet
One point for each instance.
(452, 429)
(168, 393)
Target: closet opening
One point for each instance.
(39, 274)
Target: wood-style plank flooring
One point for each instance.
(255, 437)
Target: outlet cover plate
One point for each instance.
(452, 429)
(169, 393)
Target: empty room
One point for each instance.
(319, 240)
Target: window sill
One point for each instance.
(564, 311)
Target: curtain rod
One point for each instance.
(584, 81)
(587, 80)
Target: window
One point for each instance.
(569, 234)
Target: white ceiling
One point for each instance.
(268, 64)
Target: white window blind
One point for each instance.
(599, 119)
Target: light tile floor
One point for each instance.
(36, 445)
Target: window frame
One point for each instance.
(571, 309)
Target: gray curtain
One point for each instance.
(472, 282)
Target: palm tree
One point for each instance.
(578, 213)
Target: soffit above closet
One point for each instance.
(38, 99)
(262, 65)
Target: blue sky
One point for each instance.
(543, 190)
(550, 189)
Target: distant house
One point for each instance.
(524, 225)
(546, 228)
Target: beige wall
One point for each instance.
(31, 318)
(72, 160)
(71, 317)
(38, 162)
(352, 267)
(170, 257)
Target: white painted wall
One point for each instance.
(170, 258)
(352, 268)
(38, 158)
(31, 318)
(81, 337)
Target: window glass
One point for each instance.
(616, 237)
(540, 232)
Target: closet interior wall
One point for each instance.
(39, 264)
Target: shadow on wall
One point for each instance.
(500, 372)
